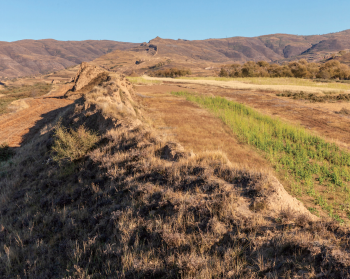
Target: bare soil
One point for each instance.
(17, 127)
(321, 118)
(195, 128)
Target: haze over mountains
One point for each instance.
(31, 57)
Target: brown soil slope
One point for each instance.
(276, 47)
(136, 206)
(31, 115)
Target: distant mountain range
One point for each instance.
(31, 57)
(276, 47)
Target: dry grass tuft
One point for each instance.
(72, 144)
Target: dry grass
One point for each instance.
(138, 207)
(240, 84)
(141, 80)
(280, 81)
(196, 128)
(72, 144)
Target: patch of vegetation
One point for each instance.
(317, 168)
(20, 92)
(136, 80)
(159, 64)
(173, 72)
(299, 69)
(6, 152)
(72, 144)
(312, 97)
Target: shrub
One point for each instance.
(72, 144)
(5, 152)
(298, 69)
(173, 72)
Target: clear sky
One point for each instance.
(141, 21)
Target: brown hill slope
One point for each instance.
(205, 57)
(31, 57)
(276, 47)
(124, 203)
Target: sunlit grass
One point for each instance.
(136, 80)
(279, 81)
(314, 167)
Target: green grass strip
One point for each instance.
(305, 158)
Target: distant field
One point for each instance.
(136, 80)
(279, 81)
(10, 94)
(295, 85)
(315, 168)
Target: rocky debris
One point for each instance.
(54, 81)
(85, 75)
(86, 79)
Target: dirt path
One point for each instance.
(14, 126)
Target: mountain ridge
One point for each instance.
(33, 57)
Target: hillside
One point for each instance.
(32, 57)
(98, 193)
(271, 48)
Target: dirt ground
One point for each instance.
(198, 130)
(320, 118)
(195, 128)
(19, 125)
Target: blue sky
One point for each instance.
(141, 21)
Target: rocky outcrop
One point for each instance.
(85, 75)
(111, 92)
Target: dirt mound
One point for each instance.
(85, 75)
(110, 90)
(136, 206)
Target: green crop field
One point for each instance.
(313, 166)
